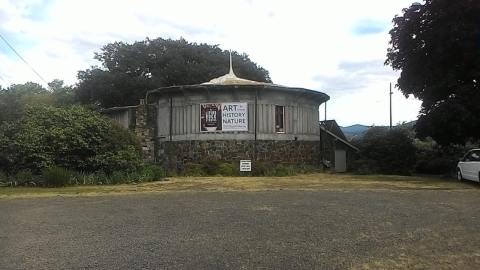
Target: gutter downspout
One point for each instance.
(171, 118)
(256, 123)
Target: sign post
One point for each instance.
(245, 165)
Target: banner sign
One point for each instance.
(223, 117)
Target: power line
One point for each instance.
(5, 81)
(23, 59)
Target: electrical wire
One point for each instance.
(23, 59)
(5, 81)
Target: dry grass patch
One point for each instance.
(322, 181)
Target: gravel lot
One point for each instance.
(363, 229)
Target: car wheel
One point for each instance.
(459, 175)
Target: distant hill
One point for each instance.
(354, 131)
(359, 130)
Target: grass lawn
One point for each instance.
(322, 181)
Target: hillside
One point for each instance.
(354, 131)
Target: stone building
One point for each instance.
(229, 119)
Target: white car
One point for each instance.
(469, 166)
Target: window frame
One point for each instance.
(283, 120)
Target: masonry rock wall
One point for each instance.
(144, 132)
(177, 153)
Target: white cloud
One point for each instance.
(302, 43)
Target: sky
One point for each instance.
(336, 47)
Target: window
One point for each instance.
(472, 156)
(280, 119)
(475, 156)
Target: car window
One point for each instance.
(475, 156)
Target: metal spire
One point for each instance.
(231, 66)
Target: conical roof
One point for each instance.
(231, 79)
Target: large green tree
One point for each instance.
(129, 70)
(14, 98)
(436, 46)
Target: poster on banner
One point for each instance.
(231, 116)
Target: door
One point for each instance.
(470, 165)
(340, 161)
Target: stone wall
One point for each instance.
(177, 153)
(144, 132)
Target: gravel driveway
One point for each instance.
(244, 230)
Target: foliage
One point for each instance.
(191, 169)
(386, 151)
(227, 169)
(23, 178)
(436, 45)
(211, 167)
(259, 168)
(56, 176)
(73, 138)
(14, 99)
(433, 158)
(129, 70)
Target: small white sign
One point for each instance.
(245, 165)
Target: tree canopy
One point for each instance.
(436, 45)
(14, 98)
(129, 70)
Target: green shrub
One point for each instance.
(152, 173)
(210, 167)
(387, 152)
(263, 168)
(192, 169)
(73, 137)
(118, 177)
(227, 169)
(57, 176)
(24, 177)
(284, 170)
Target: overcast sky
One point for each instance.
(337, 47)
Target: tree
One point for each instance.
(63, 94)
(13, 99)
(130, 70)
(436, 45)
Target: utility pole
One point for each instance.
(391, 93)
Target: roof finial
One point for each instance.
(231, 66)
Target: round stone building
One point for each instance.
(232, 119)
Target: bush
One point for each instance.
(284, 170)
(387, 151)
(259, 168)
(192, 169)
(228, 169)
(24, 177)
(211, 167)
(152, 173)
(57, 176)
(262, 168)
(74, 138)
